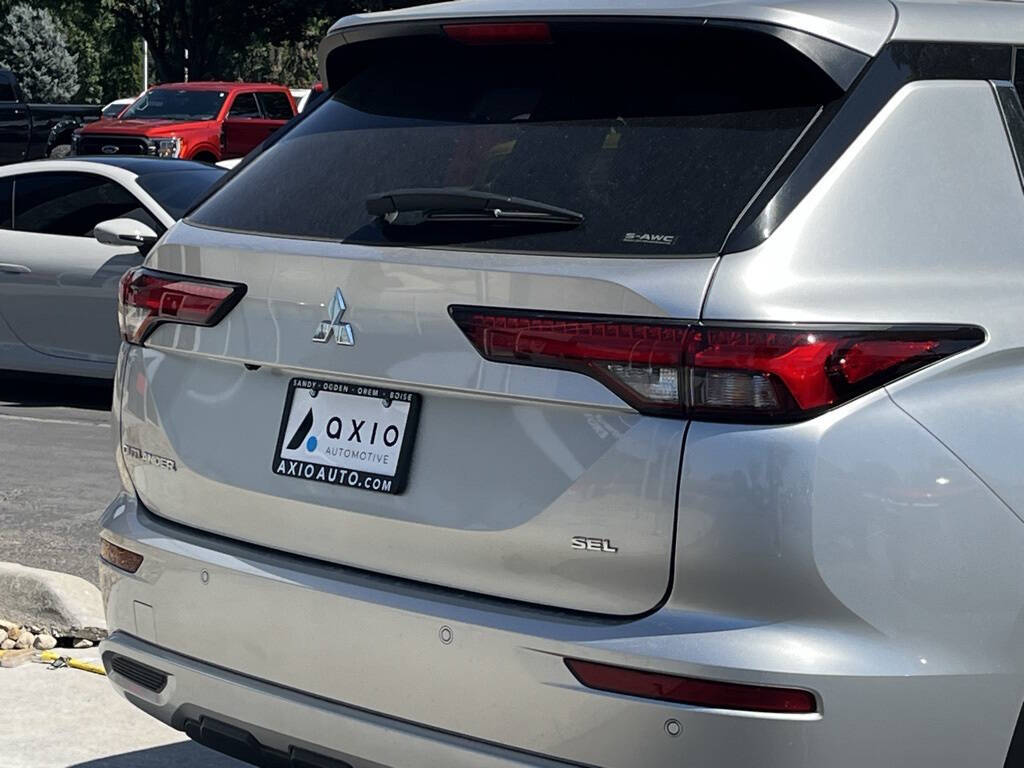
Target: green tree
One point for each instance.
(228, 38)
(36, 49)
(109, 54)
(291, 62)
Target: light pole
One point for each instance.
(145, 65)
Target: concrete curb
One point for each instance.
(34, 596)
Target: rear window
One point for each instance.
(658, 135)
(7, 87)
(177, 191)
(275, 105)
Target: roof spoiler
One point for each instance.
(840, 63)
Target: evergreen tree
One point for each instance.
(36, 49)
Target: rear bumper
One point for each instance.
(305, 655)
(285, 722)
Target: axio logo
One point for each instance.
(300, 434)
(342, 332)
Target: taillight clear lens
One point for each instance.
(716, 373)
(148, 298)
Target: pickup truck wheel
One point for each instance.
(205, 157)
(61, 150)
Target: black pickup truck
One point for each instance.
(32, 131)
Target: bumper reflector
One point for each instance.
(119, 557)
(688, 690)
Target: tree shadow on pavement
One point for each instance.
(184, 754)
(43, 391)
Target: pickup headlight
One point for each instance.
(167, 147)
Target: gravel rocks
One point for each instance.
(44, 638)
(25, 639)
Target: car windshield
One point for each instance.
(177, 191)
(176, 104)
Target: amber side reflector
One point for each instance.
(688, 690)
(119, 557)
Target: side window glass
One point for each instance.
(245, 106)
(275, 105)
(7, 87)
(6, 202)
(72, 204)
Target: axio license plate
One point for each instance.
(352, 435)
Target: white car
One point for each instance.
(59, 269)
(115, 108)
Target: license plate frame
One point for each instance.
(348, 477)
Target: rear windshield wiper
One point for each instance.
(458, 204)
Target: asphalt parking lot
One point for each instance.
(56, 452)
(68, 718)
(56, 476)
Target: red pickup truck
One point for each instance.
(206, 121)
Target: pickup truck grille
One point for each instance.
(101, 145)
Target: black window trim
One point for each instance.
(1009, 100)
(14, 197)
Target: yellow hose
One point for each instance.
(73, 663)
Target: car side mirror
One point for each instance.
(125, 232)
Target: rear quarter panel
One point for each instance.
(920, 221)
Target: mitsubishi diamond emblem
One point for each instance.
(332, 325)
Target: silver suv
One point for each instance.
(625, 385)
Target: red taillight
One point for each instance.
(148, 297)
(500, 33)
(723, 373)
(688, 690)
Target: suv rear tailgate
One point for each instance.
(508, 465)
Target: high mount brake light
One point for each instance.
(688, 690)
(719, 373)
(148, 298)
(500, 33)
